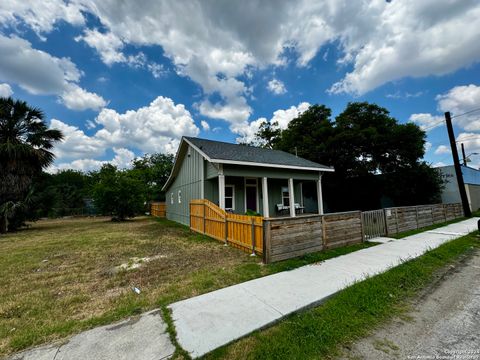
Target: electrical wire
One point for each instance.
(466, 113)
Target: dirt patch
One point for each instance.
(442, 322)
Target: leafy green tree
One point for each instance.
(269, 133)
(375, 157)
(118, 193)
(153, 171)
(25, 150)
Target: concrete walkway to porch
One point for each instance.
(208, 321)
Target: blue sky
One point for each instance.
(121, 80)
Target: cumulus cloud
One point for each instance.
(277, 87)
(41, 73)
(217, 44)
(76, 98)
(123, 159)
(427, 121)
(5, 90)
(442, 149)
(280, 118)
(157, 127)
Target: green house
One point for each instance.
(239, 178)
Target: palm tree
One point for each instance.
(25, 149)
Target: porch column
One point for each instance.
(320, 195)
(266, 209)
(221, 188)
(291, 197)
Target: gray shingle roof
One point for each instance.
(234, 152)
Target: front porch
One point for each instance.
(269, 197)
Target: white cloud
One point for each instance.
(277, 87)
(205, 125)
(5, 90)
(41, 16)
(157, 127)
(459, 100)
(280, 117)
(427, 146)
(426, 121)
(217, 44)
(76, 98)
(123, 159)
(442, 149)
(40, 73)
(107, 45)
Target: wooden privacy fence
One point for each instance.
(158, 209)
(395, 220)
(241, 231)
(286, 238)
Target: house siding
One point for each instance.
(189, 182)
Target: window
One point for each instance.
(179, 196)
(171, 198)
(285, 196)
(230, 197)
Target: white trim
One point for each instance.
(221, 191)
(202, 182)
(291, 195)
(266, 209)
(245, 192)
(179, 196)
(233, 196)
(248, 163)
(197, 149)
(320, 195)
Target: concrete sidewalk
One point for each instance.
(208, 321)
(142, 338)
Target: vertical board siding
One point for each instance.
(374, 224)
(189, 182)
(240, 231)
(158, 209)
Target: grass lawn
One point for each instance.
(58, 277)
(351, 314)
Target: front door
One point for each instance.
(251, 194)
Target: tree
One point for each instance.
(118, 193)
(25, 149)
(153, 171)
(376, 159)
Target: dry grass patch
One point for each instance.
(59, 276)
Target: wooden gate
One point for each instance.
(374, 224)
(241, 231)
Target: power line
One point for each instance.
(466, 113)
(433, 125)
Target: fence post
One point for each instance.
(416, 216)
(253, 236)
(204, 219)
(361, 226)
(266, 241)
(226, 230)
(190, 219)
(396, 218)
(445, 212)
(386, 222)
(324, 234)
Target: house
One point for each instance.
(471, 178)
(239, 178)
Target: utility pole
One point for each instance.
(464, 157)
(458, 169)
